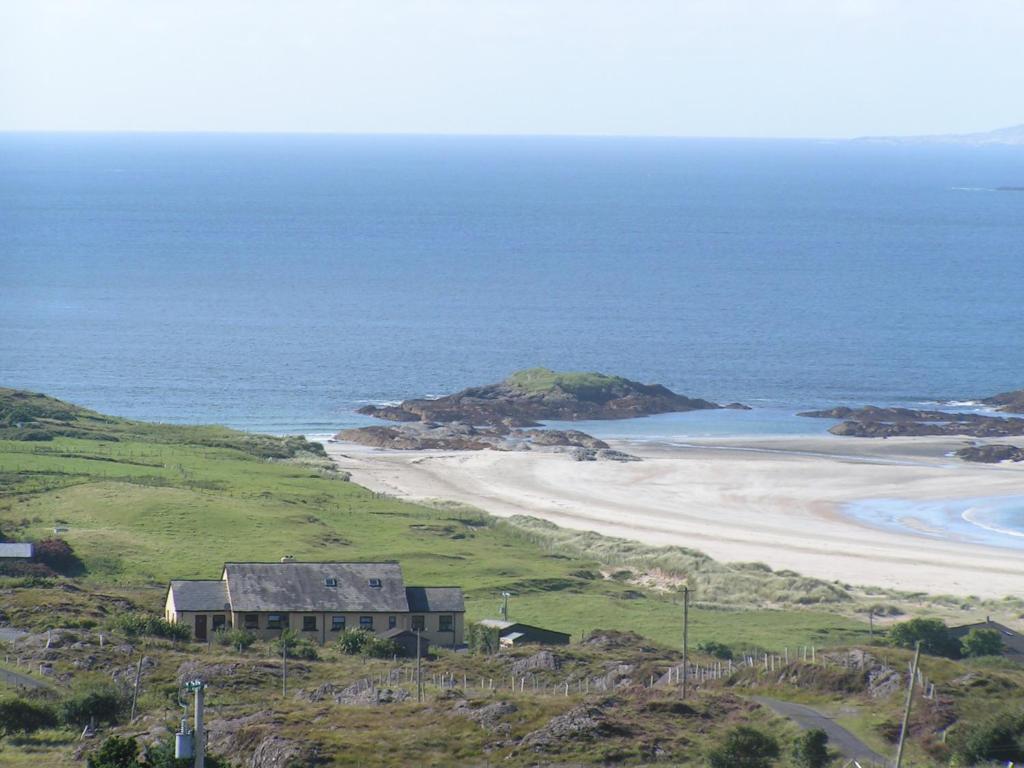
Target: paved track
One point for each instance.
(840, 739)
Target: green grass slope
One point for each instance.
(158, 502)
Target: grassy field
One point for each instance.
(141, 513)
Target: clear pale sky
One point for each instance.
(638, 67)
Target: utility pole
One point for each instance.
(419, 671)
(135, 689)
(284, 665)
(910, 700)
(198, 740)
(871, 623)
(504, 605)
(686, 639)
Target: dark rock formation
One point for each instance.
(465, 437)
(991, 454)
(528, 396)
(872, 421)
(1008, 402)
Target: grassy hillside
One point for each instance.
(144, 503)
(33, 417)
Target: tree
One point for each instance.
(999, 738)
(981, 642)
(98, 699)
(298, 647)
(23, 716)
(352, 641)
(933, 635)
(116, 752)
(745, 747)
(811, 749)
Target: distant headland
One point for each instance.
(1012, 136)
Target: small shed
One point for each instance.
(15, 551)
(406, 641)
(513, 633)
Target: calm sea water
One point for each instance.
(277, 282)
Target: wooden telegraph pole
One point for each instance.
(284, 665)
(419, 672)
(910, 700)
(686, 639)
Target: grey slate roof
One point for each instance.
(301, 587)
(1013, 642)
(200, 595)
(16, 550)
(433, 599)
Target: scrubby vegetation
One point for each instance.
(714, 582)
(361, 641)
(134, 625)
(142, 504)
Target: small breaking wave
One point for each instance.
(973, 515)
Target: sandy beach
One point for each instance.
(773, 500)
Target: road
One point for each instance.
(840, 739)
(17, 679)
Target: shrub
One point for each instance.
(999, 738)
(239, 639)
(297, 647)
(381, 648)
(811, 749)
(483, 640)
(134, 625)
(58, 555)
(933, 635)
(91, 699)
(716, 649)
(981, 642)
(352, 641)
(745, 747)
(115, 752)
(161, 755)
(21, 716)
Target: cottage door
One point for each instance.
(201, 627)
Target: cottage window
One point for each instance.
(309, 623)
(337, 623)
(277, 621)
(418, 624)
(219, 621)
(445, 623)
(392, 622)
(252, 621)
(366, 622)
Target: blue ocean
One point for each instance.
(277, 282)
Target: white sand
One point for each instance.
(771, 500)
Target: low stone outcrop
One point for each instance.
(1008, 402)
(466, 437)
(872, 421)
(992, 453)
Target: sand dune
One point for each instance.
(776, 501)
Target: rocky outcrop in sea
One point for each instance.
(538, 394)
(873, 421)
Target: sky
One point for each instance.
(736, 68)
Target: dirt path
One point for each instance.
(840, 739)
